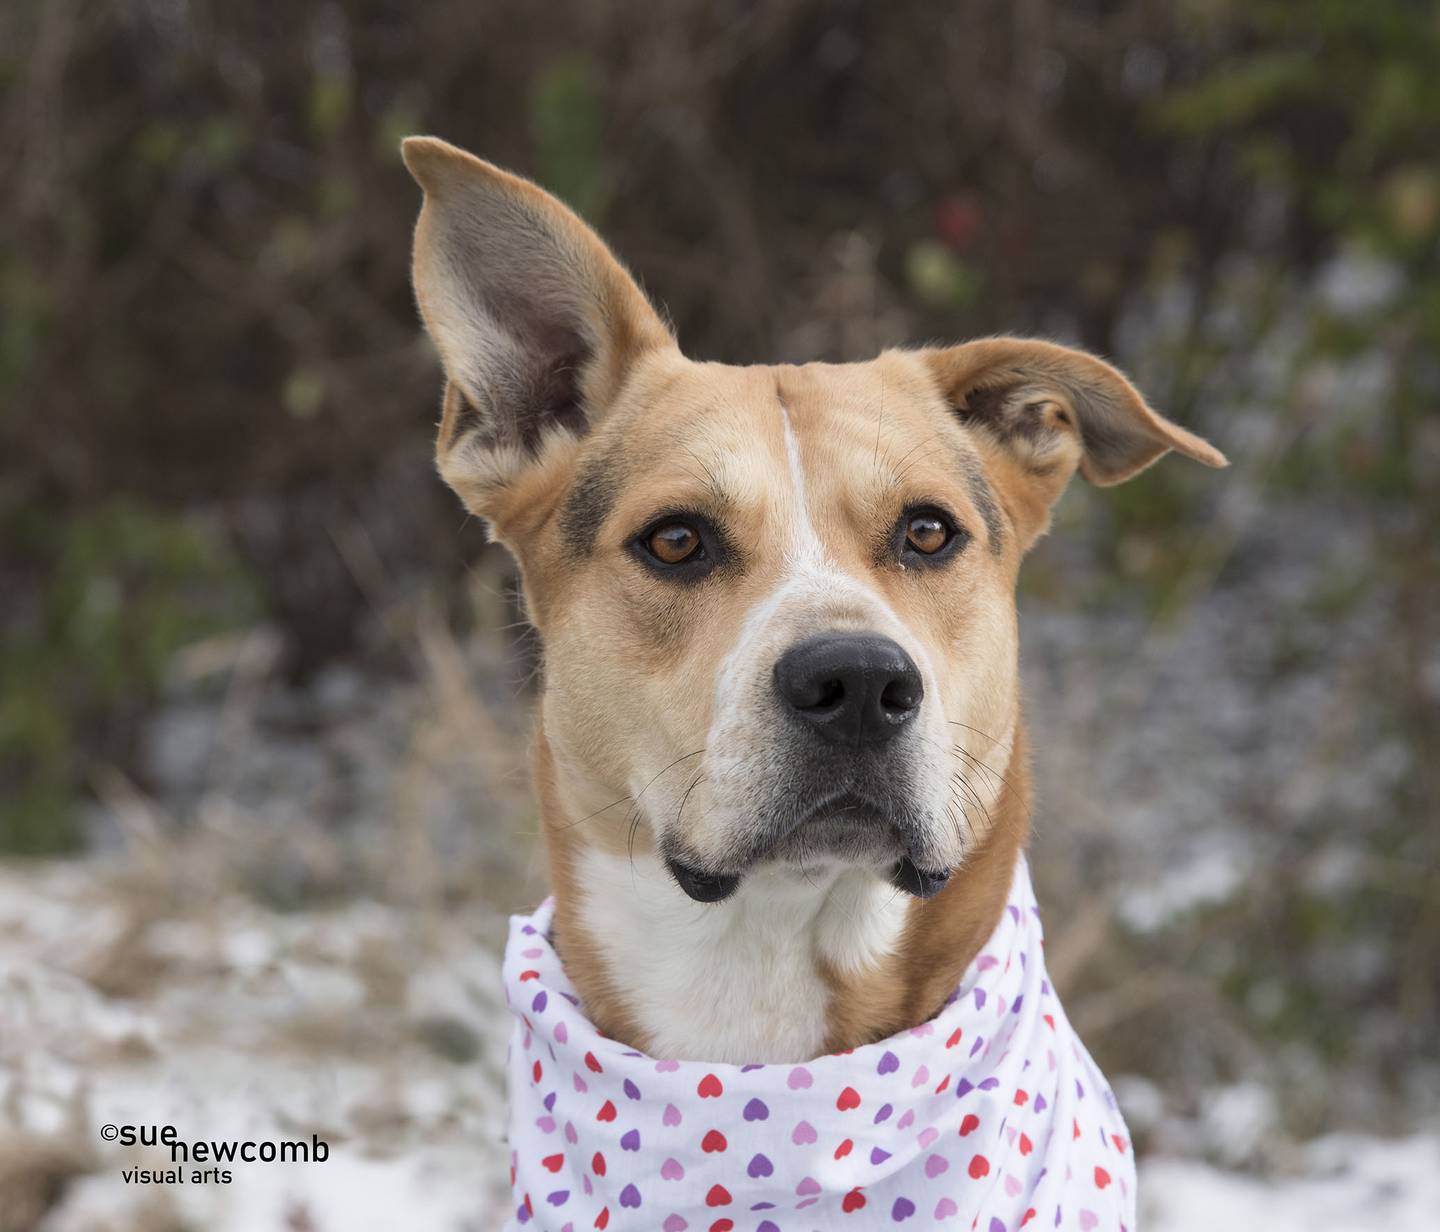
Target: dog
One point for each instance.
(780, 757)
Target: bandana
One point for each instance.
(991, 1116)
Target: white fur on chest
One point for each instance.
(737, 981)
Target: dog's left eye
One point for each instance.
(674, 543)
(926, 533)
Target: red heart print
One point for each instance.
(535, 1072)
(852, 1202)
(1119, 1143)
(1029, 1215)
(723, 1225)
(844, 1149)
(710, 1087)
(954, 1038)
(552, 1163)
(944, 1085)
(718, 1196)
(979, 1166)
(969, 1125)
(1026, 1146)
(592, 1064)
(597, 1165)
(1102, 1178)
(529, 975)
(712, 1142)
(1021, 1097)
(607, 1111)
(602, 1220)
(849, 1098)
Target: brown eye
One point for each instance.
(673, 543)
(926, 534)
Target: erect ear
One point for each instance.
(1050, 409)
(537, 324)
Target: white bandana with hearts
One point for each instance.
(991, 1116)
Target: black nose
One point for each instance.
(852, 688)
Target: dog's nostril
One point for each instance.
(830, 694)
(813, 693)
(901, 696)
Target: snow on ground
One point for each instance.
(386, 1038)
(1348, 1184)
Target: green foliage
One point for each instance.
(121, 588)
(1336, 108)
(1338, 104)
(567, 125)
(940, 278)
(25, 311)
(329, 106)
(1242, 93)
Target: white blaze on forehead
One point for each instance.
(806, 543)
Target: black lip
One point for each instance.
(852, 825)
(914, 880)
(702, 887)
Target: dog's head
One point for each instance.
(777, 603)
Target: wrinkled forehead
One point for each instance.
(845, 440)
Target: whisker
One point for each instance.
(994, 774)
(694, 783)
(953, 817)
(969, 789)
(993, 740)
(570, 825)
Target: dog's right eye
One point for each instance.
(674, 543)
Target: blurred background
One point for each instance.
(264, 690)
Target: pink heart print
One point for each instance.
(990, 1116)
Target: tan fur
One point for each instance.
(942, 935)
(799, 463)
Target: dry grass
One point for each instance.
(34, 1173)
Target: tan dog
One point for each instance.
(778, 614)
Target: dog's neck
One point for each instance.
(792, 966)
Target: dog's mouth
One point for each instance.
(843, 829)
(703, 887)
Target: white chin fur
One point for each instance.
(737, 981)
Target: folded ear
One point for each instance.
(1051, 409)
(537, 324)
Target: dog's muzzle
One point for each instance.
(846, 788)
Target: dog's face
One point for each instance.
(777, 603)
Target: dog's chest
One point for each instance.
(742, 984)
